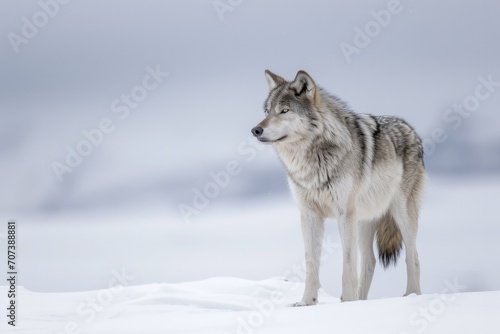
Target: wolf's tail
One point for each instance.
(389, 240)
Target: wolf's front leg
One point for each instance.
(312, 232)
(349, 236)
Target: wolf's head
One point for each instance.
(290, 109)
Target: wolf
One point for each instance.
(365, 171)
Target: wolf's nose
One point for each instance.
(257, 131)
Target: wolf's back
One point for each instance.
(406, 141)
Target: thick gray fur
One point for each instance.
(366, 171)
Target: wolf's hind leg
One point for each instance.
(406, 218)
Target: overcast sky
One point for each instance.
(65, 77)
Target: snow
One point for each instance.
(232, 305)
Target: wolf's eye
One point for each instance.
(284, 111)
(266, 111)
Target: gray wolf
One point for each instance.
(366, 171)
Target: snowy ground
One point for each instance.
(153, 254)
(232, 305)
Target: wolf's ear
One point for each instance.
(273, 80)
(303, 83)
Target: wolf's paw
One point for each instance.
(348, 298)
(411, 294)
(303, 302)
